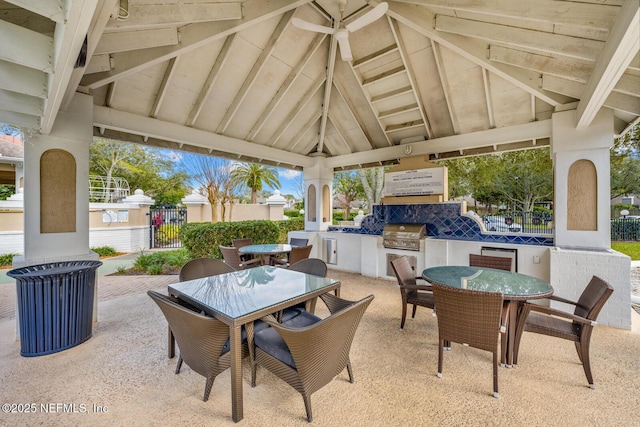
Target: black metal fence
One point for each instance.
(519, 222)
(164, 224)
(625, 229)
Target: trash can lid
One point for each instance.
(56, 268)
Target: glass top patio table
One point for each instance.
(240, 297)
(514, 286)
(265, 250)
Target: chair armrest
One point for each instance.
(560, 299)
(335, 303)
(427, 284)
(252, 261)
(276, 260)
(559, 313)
(416, 287)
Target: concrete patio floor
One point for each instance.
(121, 376)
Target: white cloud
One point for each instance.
(288, 173)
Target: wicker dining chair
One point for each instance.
(297, 241)
(203, 267)
(411, 292)
(576, 327)
(238, 243)
(203, 341)
(487, 261)
(297, 253)
(466, 316)
(314, 266)
(231, 257)
(308, 352)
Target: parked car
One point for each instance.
(501, 224)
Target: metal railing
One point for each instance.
(519, 222)
(625, 229)
(106, 190)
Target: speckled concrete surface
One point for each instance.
(123, 370)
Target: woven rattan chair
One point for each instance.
(314, 266)
(297, 253)
(486, 261)
(308, 352)
(231, 257)
(203, 267)
(296, 241)
(411, 292)
(203, 341)
(469, 317)
(576, 327)
(238, 243)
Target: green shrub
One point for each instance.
(292, 213)
(6, 260)
(161, 262)
(103, 251)
(203, 239)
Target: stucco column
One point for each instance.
(582, 216)
(56, 197)
(582, 180)
(318, 198)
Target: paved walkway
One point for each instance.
(109, 287)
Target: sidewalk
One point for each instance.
(109, 287)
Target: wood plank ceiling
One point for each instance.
(238, 79)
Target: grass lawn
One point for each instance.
(628, 248)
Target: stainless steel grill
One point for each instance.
(403, 236)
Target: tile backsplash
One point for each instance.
(442, 220)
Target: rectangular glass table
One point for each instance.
(515, 288)
(240, 297)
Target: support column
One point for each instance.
(582, 215)
(56, 197)
(318, 199)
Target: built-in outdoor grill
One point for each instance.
(403, 236)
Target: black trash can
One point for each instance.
(55, 305)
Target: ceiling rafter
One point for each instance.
(207, 87)
(306, 127)
(192, 37)
(618, 51)
(340, 132)
(68, 38)
(255, 70)
(97, 26)
(48, 9)
(25, 80)
(410, 74)
(304, 100)
(27, 48)
(286, 85)
(560, 17)
(177, 14)
(331, 63)
(342, 91)
(488, 97)
(422, 21)
(162, 90)
(125, 41)
(442, 74)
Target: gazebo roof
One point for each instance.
(238, 79)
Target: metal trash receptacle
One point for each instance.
(55, 305)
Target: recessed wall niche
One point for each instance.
(582, 196)
(57, 192)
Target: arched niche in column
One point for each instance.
(326, 203)
(582, 196)
(57, 192)
(311, 200)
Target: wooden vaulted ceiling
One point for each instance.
(238, 79)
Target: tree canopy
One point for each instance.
(142, 167)
(253, 176)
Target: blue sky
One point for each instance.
(288, 178)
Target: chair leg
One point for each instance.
(577, 343)
(584, 357)
(404, 316)
(350, 371)
(413, 313)
(307, 407)
(495, 373)
(207, 388)
(179, 365)
(254, 368)
(440, 354)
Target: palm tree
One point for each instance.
(253, 175)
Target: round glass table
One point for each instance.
(515, 288)
(265, 250)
